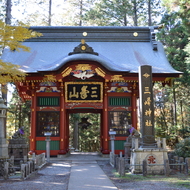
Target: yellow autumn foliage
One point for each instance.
(12, 37)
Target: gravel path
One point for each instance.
(55, 176)
(52, 177)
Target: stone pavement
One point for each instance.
(78, 171)
(86, 173)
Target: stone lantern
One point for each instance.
(48, 139)
(3, 143)
(112, 138)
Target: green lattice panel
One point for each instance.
(41, 145)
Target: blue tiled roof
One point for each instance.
(118, 49)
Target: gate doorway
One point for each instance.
(84, 132)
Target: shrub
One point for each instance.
(183, 148)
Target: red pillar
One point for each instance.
(105, 137)
(134, 108)
(67, 132)
(33, 123)
(62, 145)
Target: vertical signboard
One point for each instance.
(146, 106)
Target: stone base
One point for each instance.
(4, 151)
(154, 157)
(19, 149)
(62, 155)
(105, 155)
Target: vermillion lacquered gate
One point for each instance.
(88, 69)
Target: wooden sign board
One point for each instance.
(83, 91)
(146, 105)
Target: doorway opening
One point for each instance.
(84, 131)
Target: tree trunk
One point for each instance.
(149, 13)
(175, 110)
(8, 12)
(81, 7)
(182, 120)
(135, 13)
(50, 14)
(4, 87)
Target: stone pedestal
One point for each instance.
(18, 148)
(154, 158)
(3, 148)
(3, 143)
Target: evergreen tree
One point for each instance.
(18, 115)
(124, 12)
(174, 36)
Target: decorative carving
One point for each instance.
(132, 131)
(66, 72)
(135, 34)
(119, 89)
(96, 105)
(117, 78)
(83, 67)
(100, 72)
(48, 89)
(47, 83)
(83, 74)
(19, 133)
(146, 75)
(84, 33)
(83, 48)
(154, 43)
(49, 78)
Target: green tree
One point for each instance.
(89, 138)
(124, 12)
(183, 148)
(182, 7)
(174, 36)
(18, 115)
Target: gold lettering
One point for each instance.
(74, 94)
(146, 90)
(94, 92)
(147, 101)
(84, 92)
(148, 112)
(148, 123)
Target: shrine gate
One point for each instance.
(86, 70)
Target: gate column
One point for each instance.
(33, 123)
(134, 107)
(105, 140)
(62, 144)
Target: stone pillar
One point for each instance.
(121, 167)
(3, 143)
(48, 134)
(158, 142)
(146, 106)
(127, 146)
(112, 138)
